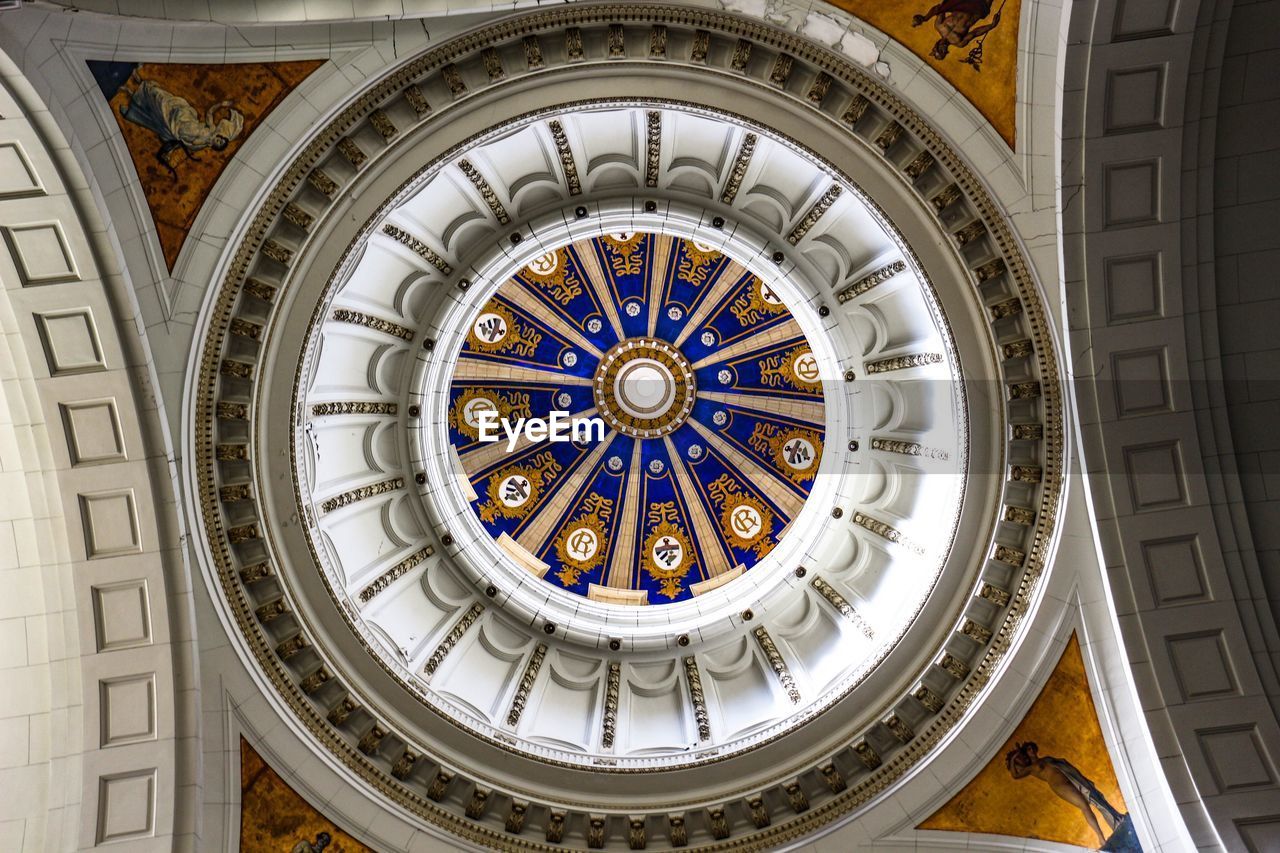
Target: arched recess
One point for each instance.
(1138, 221)
(98, 710)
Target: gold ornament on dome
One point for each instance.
(623, 248)
(551, 273)
(797, 368)
(795, 452)
(497, 331)
(696, 263)
(667, 556)
(462, 415)
(513, 491)
(583, 542)
(745, 521)
(758, 302)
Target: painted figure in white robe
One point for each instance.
(178, 124)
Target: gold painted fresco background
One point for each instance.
(1064, 724)
(993, 89)
(274, 817)
(254, 89)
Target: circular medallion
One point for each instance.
(644, 388)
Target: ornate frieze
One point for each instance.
(486, 191)
(349, 149)
(418, 247)
(612, 691)
(842, 606)
(739, 171)
(653, 147)
(907, 448)
(926, 697)
(867, 755)
(885, 531)
(872, 279)
(780, 73)
(359, 318)
(394, 573)
(777, 664)
(362, 493)
(980, 634)
(417, 100)
(694, 679)
(533, 53)
(818, 89)
(526, 684)
(617, 42)
(571, 179)
(354, 407)
(383, 124)
(658, 42)
(451, 639)
(294, 214)
(919, 165)
(994, 594)
(811, 217)
(903, 362)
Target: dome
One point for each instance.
(780, 522)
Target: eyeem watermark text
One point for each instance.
(559, 427)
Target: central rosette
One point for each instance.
(644, 388)
(636, 418)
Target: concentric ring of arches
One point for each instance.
(661, 508)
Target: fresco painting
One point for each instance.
(973, 44)
(273, 817)
(1053, 780)
(183, 123)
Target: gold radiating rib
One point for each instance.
(476, 370)
(717, 559)
(524, 299)
(657, 278)
(729, 276)
(752, 343)
(600, 283)
(769, 481)
(622, 560)
(804, 410)
(534, 536)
